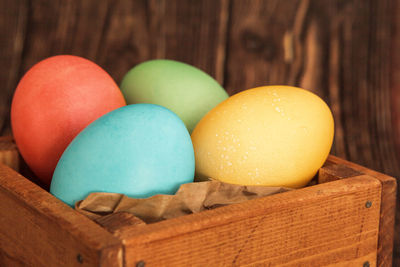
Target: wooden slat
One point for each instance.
(10, 157)
(125, 39)
(345, 51)
(37, 229)
(387, 232)
(259, 35)
(63, 27)
(120, 34)
(337, 49)
(332, 172)
(395, 108)
(9, 153)
(315, 226)
(117, 222)
(191, 31)
(13, 21)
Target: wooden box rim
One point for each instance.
(110, 247)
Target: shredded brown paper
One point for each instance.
(190, 198)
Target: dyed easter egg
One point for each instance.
(187, 91)
(137, 150)
(53, 102)
(272, 136)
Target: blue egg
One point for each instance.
(139, 150)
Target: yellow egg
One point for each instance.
(271, 135)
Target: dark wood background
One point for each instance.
(346, 51)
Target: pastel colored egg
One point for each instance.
(53, 102)
(138, 150)
(182, 88)
(271, 135)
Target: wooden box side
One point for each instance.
(336, 168)
(252, 228)
(36, 229)
(9, 154)
(315, 226)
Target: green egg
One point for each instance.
(187, 91)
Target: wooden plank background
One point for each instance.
(346, 51)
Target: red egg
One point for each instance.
(56, 99)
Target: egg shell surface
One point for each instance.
(138, 150)
(53, 102)
(272, 136)
(182, 88)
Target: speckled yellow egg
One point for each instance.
(271, 135)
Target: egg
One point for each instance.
(138, 150)
(182, 88)
(271, 135)
(53, 102)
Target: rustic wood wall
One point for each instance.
(346, 51)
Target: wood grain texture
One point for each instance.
(191, 31)
(387, 242)
(337, 49)
(13, 18)
(316, 226)
(395, 111)
(258, 40)
(9, 155)
(117, 222)
(125, 38)
(62, 27)
(249, 216)
(120, 34)
(346, 51)
(49, 232)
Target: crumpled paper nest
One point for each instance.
(190, 198)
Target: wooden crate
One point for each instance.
(346, 220)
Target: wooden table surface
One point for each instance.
(346, 51)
